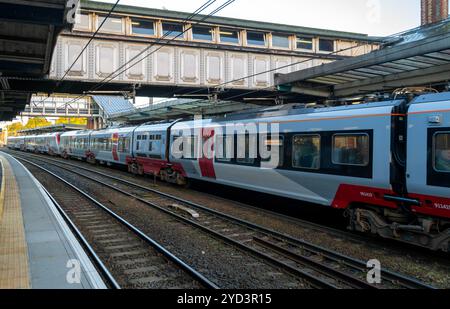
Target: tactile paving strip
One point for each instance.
(14, 268)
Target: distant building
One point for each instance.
(433, 11)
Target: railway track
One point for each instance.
(319, 266)
(126, 256)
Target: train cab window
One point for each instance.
(202, 33)
(246, 149)
(351, 149)
(172, 30)
(306, 152)
(229, 36)
(256, 38)
(142, 26)
(441, 149)
(280, 41)
(274, 146)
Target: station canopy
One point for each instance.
(181, 108)
(419, 57)
(52, 129)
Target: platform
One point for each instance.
(37, 248)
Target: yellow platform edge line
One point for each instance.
(2, 193)
(14, 265)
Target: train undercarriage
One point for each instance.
(399, 225)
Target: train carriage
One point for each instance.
(52, 141)
(16, 142)
(111, 146)
(75, 144)
(316, 163)
(386, 164)
(150, 153)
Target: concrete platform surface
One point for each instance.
(37, 248)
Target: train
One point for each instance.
(385, 164)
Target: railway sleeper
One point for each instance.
(419, 234)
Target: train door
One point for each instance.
(428, 155)
(206, 160)
(115, 146)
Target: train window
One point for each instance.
(189, 147)
(304, 43)
(306, 151)
(123, 145)
(441, 148)
(138, 145)
(224, 153)
(280, 40)
(256, 38)
(351, 149)
(142, 26)
(172, 30)
(248, 154)
(270, 143)
(144, 137)
(150, 146)
(202, 33)
(326, 45)
(112, 24)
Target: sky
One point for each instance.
(373, 17)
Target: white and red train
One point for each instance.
(387, 163)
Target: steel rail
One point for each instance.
(393, 277)
(170, 256)
(353, 263)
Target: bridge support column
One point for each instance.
(95, 123)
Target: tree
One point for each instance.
(79, 121)
(13, 128)
(37, 122)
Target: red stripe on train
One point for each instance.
(154, 166)
(350, 194)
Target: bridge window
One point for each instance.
(172, 30)
(304, 43)
(256, 38)
(142, 26)
(351, 149)
(442, 152)
(306, 152)
(112, 24)
(202, 33)
(326, 45)
(280, 40)
(229, 36)
(82, 22)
